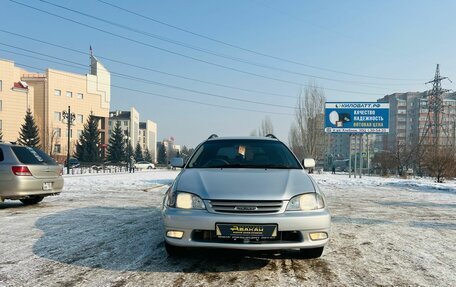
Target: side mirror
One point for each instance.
(177, 162)
(308, 163)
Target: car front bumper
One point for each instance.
(302, 224)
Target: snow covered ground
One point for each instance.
(105, 230)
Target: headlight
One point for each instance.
(307, 201)
(186, 200)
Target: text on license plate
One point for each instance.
(47, 185)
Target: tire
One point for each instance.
(311, 253)
(174, 251)
(149, 167)
(32, 200)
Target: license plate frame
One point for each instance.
(246, 231)
(47, 186)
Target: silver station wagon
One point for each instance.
(28, 174)
(246, 193)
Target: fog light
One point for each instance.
(174, 234)
(318, 235)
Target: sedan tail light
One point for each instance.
(21, 171)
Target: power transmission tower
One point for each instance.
(434, 127)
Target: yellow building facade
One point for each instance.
(51, 93)
(15, 98)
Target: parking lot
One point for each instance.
(105, 230)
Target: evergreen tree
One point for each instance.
(130, 152)
(89, 140)
(29, 134)
(138, 152)
(116, 147)
(162, 157)
(148, 156)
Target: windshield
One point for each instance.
(243, 154)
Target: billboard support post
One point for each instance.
(349, 156)
(356, 149)
(368, 156)
(361, 158)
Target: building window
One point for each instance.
(69, 94)
(0, 124)
(57, 93)
(1, 106)
(57, 116)
(57, 148)
(1, 84)
(80, 119)
(71, 133)
(58, 132)
(80, 95)
(125, 123)
(79, 133)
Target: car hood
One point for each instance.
(245, 184)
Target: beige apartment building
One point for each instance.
(16, 97)
(51, 93)
(148, 137)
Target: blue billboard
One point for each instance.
(356, 117)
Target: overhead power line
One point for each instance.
(125, 76)
(161, 95)
(188, 78)
(182, 55)
(250, 50)
(224, 56)
(148, 68)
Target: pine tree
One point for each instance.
(148, 156)
(29, 134)
(89, 140)
(130, 152)
(162, 157)
(138, 152)
(116, 147)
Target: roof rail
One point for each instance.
(271, 136)
(212, 136)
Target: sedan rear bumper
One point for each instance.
(192, 222)
(23, 186)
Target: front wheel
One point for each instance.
(311, 252)
(173, 250)
(149, 167)
(32, 200)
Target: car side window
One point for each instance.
(1, 154)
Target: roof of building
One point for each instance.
(20, 85)
(142, 125)
(119, 115)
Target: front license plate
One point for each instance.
(47, 186)
(245, 231)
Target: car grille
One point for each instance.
(246, 206)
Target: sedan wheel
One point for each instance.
(32, 200)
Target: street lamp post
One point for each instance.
(127, 140)
(69, 116)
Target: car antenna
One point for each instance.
(212, 136)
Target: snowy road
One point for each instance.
(104, 230)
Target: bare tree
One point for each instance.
(440, 163)
(307, 137)
(385, 161)
(266, 127)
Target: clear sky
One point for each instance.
(376, 47)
